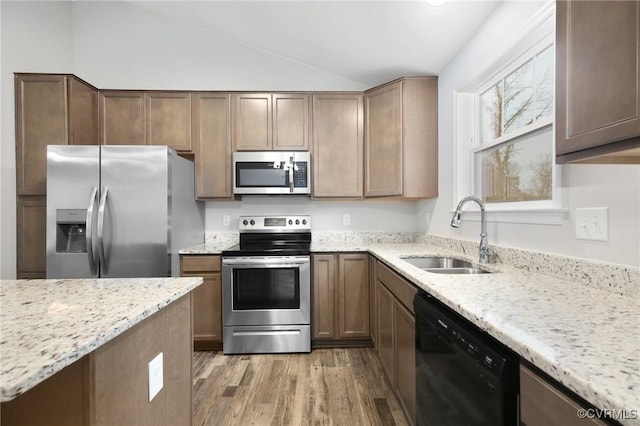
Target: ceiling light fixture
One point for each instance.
(435, 3)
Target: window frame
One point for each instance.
(536, 37)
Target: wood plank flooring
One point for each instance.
(325, 387)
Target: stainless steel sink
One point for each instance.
(429, 262)
(443, 265)
(457, 270)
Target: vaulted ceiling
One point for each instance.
(364, 41)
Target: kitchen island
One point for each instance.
(77, 351)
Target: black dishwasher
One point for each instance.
(464, 377)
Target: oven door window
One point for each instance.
(268, 174)
(266, 288)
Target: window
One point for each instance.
(514, 157)
(505, 150)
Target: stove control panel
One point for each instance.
(275, 223)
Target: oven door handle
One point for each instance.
(266, 262)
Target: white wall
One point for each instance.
(616, 187)
(36, 37)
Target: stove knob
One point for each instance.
(297, 221)
(253, 222)
(245, 222)
(304, 221)
(290, 222)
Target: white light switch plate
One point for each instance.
(155, 376)
(592, 223)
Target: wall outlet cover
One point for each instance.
(155, 376)
(346, 219)
(226, 220)
(592, 223)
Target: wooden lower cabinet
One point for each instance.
(395, 330)
(340, 297)
(207, 300)
(542, 404)
(31, 237)
(109, 386)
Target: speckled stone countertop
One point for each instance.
(576, 323)
(46, 325)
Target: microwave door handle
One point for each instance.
(291, 164)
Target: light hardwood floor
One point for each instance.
(325, 387)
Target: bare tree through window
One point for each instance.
(519, 169)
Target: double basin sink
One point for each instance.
(444, 265)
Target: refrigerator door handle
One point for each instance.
(89, 234)
(100, 232)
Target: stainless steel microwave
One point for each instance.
(271, 172)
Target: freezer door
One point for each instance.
(73, 179)
(132, 224)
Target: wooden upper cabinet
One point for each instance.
(41, 120)
(122, 118)
(211, 131)
(598, 81)
(266, 121)
(337, 145)
(51, 109)
(401, 139)
(168, 119)
(291, 121)
(383, 141)
(83, 113)
(252, 122)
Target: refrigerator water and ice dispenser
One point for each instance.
(71, 230)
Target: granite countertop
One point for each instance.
(46, 325)
(586, 338)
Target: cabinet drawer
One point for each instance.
(401, 289)
(544, 405)
(204, 263)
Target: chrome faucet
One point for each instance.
(484, 251)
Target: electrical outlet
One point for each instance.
(592, 223)
(226, 220)
(346, 219)
(155, 376)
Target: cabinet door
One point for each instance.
(31, 237)
(597, 102)
(405, 339)
(385, 302)
(383, 141)
(373, 306)
(122, 118)
(324, 296)
(41, 120)
(83, 113)
(291, 121)
(207, 299)
(353, 296)
(252, 122)
(541, 404)
(168, 119)
(337, 145)
(212, 145)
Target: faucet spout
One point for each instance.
(483, 249)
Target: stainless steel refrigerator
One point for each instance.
(119, 211)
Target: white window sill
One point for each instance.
(551, 216)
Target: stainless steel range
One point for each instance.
(266, 286)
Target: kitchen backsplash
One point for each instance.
(618, 279)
